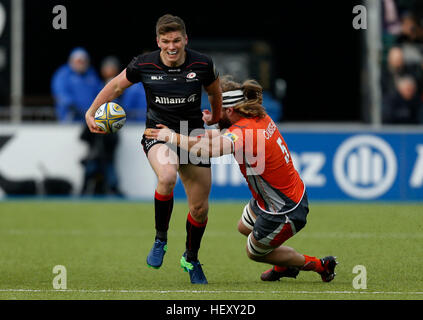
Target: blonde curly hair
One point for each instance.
(252, 106)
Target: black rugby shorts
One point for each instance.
(274, 229)
(184, 157)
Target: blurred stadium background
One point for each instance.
(322, 79)
(352, 137)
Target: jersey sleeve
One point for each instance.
(236, 136)
(133, 71)
(211, 74)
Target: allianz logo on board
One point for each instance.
(365, 166)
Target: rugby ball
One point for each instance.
(110, 117)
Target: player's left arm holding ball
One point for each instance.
(113, 89)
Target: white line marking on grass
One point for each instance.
(211, 233)
(210, 291)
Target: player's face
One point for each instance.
(79, 64)
(172, 47)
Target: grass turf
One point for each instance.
(104, 244)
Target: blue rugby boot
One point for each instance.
(155, 257)
(194, 269)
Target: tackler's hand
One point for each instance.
(161, 134)
(209, 119)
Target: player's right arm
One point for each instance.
(214, 93)
(113, 89)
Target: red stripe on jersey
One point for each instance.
(195, 63)
(141, 64)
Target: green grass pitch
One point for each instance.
(103, 246)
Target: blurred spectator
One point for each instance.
(100, 176)
(411, 40)
(110, 68)
(404, 106)
(134, 102)
(74, 86)
(411, 30)
(133, 99)
(391, 19)
(402, 74)
(395, 68)
(273, 106)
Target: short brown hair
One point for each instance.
(170, 23)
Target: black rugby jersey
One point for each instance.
(173, 93)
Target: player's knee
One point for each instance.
(255, 252)
(242, 228)
(247, 221)
(199, 211)
(252, 256)
(167, 179)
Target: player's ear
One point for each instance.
(158, 42)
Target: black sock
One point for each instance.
(163, 206)
(195, 231)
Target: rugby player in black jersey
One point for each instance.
(173, 77)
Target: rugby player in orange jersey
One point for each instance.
(279, 206)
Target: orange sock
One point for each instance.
(280, 269)
(313, 264)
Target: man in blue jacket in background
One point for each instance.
(74, 86)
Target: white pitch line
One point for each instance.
(209, 291)
(211, 233)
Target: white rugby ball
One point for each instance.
(110, 117)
